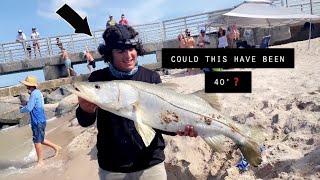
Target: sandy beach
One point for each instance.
(284, 101)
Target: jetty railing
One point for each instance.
(149, 33)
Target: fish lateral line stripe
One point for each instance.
(189, 110)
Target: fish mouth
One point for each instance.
(74, 89)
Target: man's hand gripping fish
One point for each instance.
(154, 106)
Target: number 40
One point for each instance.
(219, 82)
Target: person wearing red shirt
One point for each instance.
(123, 20)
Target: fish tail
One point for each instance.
(251, 151)
(251, 147)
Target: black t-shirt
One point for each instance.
(120, 147)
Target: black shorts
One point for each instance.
(92, 63)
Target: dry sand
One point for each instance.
(285, 101)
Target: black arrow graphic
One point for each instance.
(80, 25)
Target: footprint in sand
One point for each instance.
(311, 106)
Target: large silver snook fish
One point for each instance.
(154, 106)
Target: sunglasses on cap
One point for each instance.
(126, 44)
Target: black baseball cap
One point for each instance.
(121, 38)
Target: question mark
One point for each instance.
(236, 81)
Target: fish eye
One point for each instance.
(97, 86)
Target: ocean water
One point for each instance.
(17, 152)
(13, 79)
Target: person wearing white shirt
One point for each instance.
(35, 37)
(222, 43)
(222, 39)
(21, 38)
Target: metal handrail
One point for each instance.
(149, 33)
(303, 5)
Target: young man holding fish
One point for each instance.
(122, 153)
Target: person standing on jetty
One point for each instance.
(21, 38)
(121, 151)
(59, 44)
(124, 20)
(111, 22)
(67, 62)
(36, 44)
(35, 106)
(90, 60)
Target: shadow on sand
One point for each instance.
(306, 166)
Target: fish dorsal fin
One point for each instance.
(171, 86)
(211, 98)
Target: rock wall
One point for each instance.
(44, 86)
(57, 103)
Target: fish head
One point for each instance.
(99, 93)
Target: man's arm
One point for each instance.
(30, 105)
(86, 112)
(85, 119)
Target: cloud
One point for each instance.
(47, 9)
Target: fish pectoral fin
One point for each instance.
(171, 86)
(211, 98)
(146, 132)
(215, 142)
